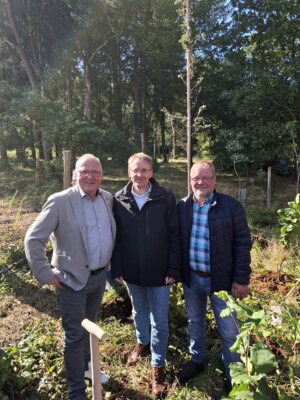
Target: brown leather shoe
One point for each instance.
(139, 351)
(158, 382)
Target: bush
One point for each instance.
(289, 219)
(262, 217)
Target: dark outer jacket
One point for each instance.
(147, 245)
(230, 241)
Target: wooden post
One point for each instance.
(96, 333)
(269, 187)
(67, 168)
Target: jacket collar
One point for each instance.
(213, 202)
(126, 194)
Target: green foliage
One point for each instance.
(289, 219)
(249, 375)
(260, 374)
(5, 365)
(261, 217)
(12, 253)
(177, 318)
(33, 367)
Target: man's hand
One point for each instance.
(120, 280)
(169, 280)
(56, 282)
(239, 291)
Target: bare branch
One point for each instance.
(10, 44)
(107, 41)
(38, 18)
(101, 46)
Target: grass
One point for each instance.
(21, 200)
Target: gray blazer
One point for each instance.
(62, 220)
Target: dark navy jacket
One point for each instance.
(230, 241)
(147, 245)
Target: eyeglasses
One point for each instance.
(204, 179)
(143, 171)
(92, 172)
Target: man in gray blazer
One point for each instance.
(81, 227)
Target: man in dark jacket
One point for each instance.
(147, 257)
(215, 244)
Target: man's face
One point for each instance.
(139, 172)
(203, 181)
(89, 177)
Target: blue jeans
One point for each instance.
(150, 306)
(195, 302)
(74, 307)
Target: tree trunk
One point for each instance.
(143, 142)
(20, 153)
(188, 57)
(137, 110)
(3, 158)
(25, 59)
(46, 148)
(40, 148)
(69, 93)
(174, 155)
(87, 100)
(58, 150)
(117, 89)
(33, 154)
(164, 149)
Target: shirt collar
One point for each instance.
(207, 201)
(83, 194)
(144, 194)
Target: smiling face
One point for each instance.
(89, 176)
(203, 180)
(139, 172)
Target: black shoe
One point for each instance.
(189, 369)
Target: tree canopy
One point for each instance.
(103, 74)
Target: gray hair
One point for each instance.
(204, 163)
(85, 157)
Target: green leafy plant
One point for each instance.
(289, 219)
(257, 361)
(4, 367)
(33, 368)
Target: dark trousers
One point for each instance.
(76, 306)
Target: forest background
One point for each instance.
(109, 77)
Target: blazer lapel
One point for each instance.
(75, 199)
(107, 202)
